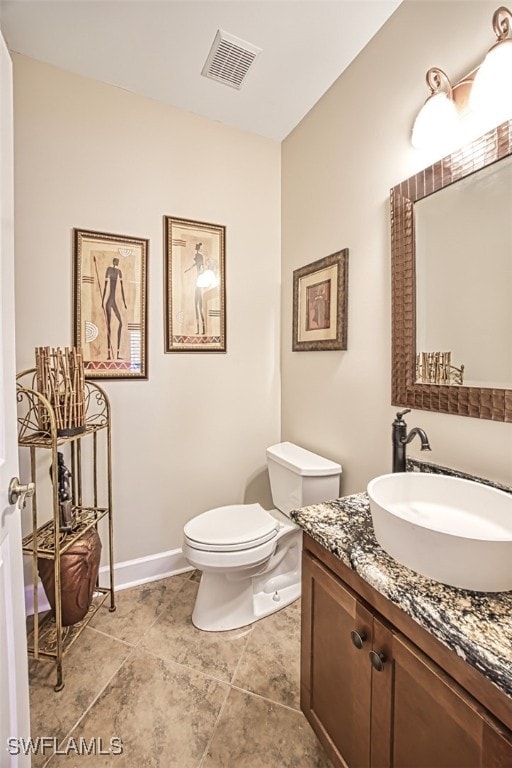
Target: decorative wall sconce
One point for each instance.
(492, 88)
(484, 95)
(438, 116)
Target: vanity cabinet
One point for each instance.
(373, 697)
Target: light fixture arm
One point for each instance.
(501, 23)
(438, 81)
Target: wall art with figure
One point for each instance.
(110, 304)
(195, 286)
(320, 297)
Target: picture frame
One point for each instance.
(320, 302)
(195, 286)
(110, 305)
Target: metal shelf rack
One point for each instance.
(48, 639)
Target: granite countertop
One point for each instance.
(476, 625)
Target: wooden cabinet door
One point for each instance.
(421, 718)
(336, 674)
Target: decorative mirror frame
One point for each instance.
(479, 402)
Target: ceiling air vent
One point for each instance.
(229, 59)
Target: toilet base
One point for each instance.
(232, 600)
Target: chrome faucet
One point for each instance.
(400, 439)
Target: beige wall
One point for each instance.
(337, 168)
(96, 157)
(193, 436)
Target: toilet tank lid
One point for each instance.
(301, 461)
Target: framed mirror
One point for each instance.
(451, 250)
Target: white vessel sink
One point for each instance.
(455, 531)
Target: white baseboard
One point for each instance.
(129, 573)
(142, 570)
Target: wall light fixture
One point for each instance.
(438, 117)
(482, 99)
(492, 88)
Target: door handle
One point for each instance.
(20, 492)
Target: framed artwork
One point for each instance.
(110, 311)
(320, 294)
(195, 286)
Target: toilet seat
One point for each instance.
(233, 528)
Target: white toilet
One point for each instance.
(251, 557)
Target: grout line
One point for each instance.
(249, 635)
(161, 612)
(112, 637)
(265, 698)
(217, 720)
(210, 676)
(186, 667)
(149, 626)
(231, 687)
(93, 702)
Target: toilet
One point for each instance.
(250, 557)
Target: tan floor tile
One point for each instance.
(256, 733)
(166, 714)
(163, 714)
(137, 608)
(270, 664)
(88, 666)
(174, 637)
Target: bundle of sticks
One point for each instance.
(60, 378)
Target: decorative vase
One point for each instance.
(79, 568)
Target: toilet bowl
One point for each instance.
(250, 557)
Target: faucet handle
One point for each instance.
(400, 414)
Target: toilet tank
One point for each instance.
(299, 478)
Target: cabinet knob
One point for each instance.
(377, 660)
(358, 639)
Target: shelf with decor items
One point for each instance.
(67, 506)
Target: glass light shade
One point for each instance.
(491, 93)
(436, 125)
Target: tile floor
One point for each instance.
(175, 696)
